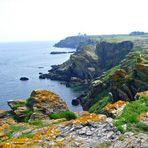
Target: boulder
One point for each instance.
(24, 78)
(75, 102)
(46, 102)
(42, 76)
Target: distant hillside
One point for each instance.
(72, 42)
(138, 33)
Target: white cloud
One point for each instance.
(55, 19)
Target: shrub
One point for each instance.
(68, 115)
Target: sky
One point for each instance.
(30, 20)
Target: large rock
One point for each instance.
(46, 102)
(38, 106)
(115, 109)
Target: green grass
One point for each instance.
(15, 129)
(109, 72)
(20, 105)
(130, 114)
(68, 115)
(98, 106)
(38, 123)
(26, 135)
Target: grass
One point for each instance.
(98, 107)
(68, 115)
(27, 114)
(22, 104)
(26, 135)
(108, 73)
(38, 123)
(130, 114)
(15, 129)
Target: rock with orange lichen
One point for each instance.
(85, 131)
(82, 113)
(142, 94)
(38, 106)
(143, 117)
(115, 109)
(46, 101)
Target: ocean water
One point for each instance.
(26, 59)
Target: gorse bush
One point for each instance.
(68, 115)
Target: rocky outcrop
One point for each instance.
(38, 106)
(24, 79)
(115, 109)
(46, 101)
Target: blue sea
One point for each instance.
(27, 59)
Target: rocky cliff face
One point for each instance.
(90, 61)
(119, 83)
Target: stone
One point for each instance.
(24, 79)
(142, 94)
(143, 117)
(115, 109)
(38, 116)
(20, 111)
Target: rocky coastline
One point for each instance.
(115, 101)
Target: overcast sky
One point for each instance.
(23, 20)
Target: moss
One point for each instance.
(68, 115)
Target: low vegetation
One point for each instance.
(68, 115)
(130, 114)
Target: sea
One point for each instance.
(28, 59)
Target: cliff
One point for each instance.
(90, 61)
(121, 82)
